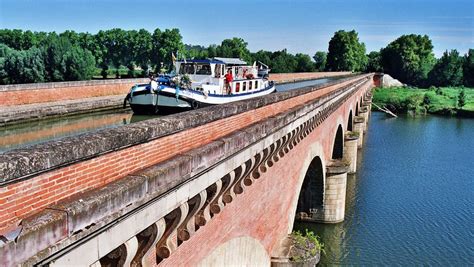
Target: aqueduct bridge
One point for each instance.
(219, 185)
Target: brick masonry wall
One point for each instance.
(49, 92)
(266, 209)
(21, 94)
(29, 196)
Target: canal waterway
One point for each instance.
(30, 133)
(412, 200)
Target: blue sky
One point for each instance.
(298, 25)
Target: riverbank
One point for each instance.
(441, 101)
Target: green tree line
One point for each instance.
(27, 56)
(411, 60)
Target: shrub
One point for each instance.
(305, 246)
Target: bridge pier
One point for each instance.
(333, 202)
(335, 192)
(359, 126)
(364, 112)
(350, 151)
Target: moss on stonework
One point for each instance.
(305, 246)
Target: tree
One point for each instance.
(142, 49)
(304, 63)
(448, 70)
(320, 58)
(170, 42)
(79, 64)
(4, 52)
(54, 51)
(12, 38)
(283, 62)
(346, 53)
(196, 52)
(409, 59)
(374, 62)
(468, 68)
(235, 48)
(263, 56)
(25, 66)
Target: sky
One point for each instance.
(301, 26)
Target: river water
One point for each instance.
(412, 199)
(31, 133)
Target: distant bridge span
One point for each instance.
(220, 185)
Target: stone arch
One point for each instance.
(315, 150)
(357, 109)
(338, 145)
(350, 121)
(245, 251)
(311, 196)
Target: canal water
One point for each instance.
(31, 133)
(412, 200)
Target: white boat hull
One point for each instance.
(143, 100)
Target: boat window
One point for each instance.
(203, 69)
(237, 87)
(250, 85)
(218, 70)
(187, 68)
(244, 86)
(256, 84)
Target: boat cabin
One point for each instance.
(207, 75)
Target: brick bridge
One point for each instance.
(219, 185)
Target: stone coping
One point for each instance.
(359, 119)
(23, 163)
(337, 167)
(351, 135)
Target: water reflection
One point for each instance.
(411, 202)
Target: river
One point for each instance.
(412, 199)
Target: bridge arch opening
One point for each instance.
(350, 121)
(311, 195)
(357, 109)
(338, 147)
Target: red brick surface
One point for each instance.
(263, 210)
(32, 195)
(68, 91)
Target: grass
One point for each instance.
(433, 100)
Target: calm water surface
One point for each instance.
(412, 200)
